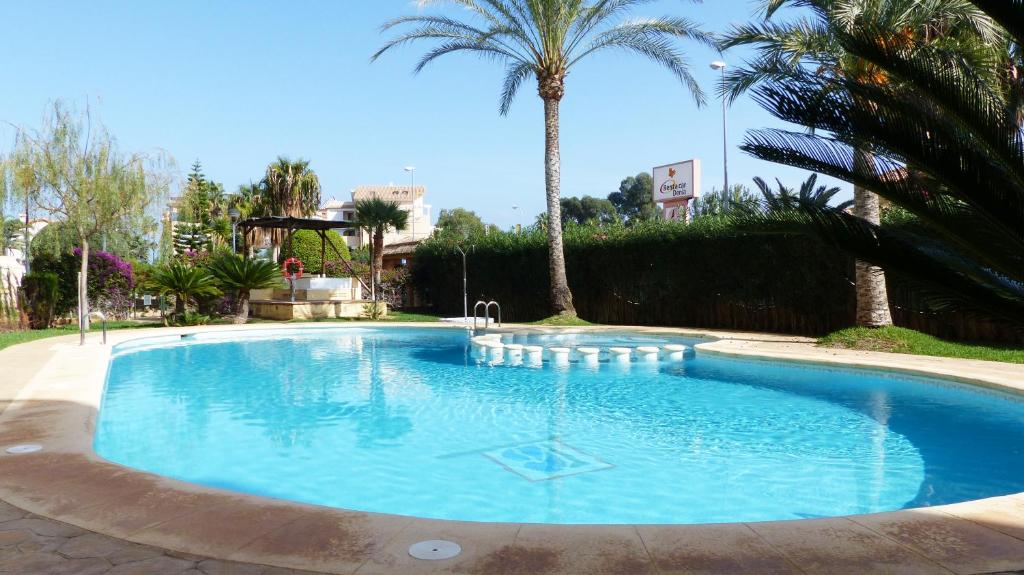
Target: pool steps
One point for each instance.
(498, 348)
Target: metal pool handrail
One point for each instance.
(487, 312)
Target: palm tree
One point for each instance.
(185, 283)
(250, 204)
(813, 44)
(377, 216)
(242, 275)
(738, 199)
(544, 40)
(946, 134)
(809, 194)
(289, 188)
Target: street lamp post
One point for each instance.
(412, 192)
(720, 65)
(515, 210)
(234, 213)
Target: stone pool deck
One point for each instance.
(64, 504)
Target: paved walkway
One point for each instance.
(33, 545)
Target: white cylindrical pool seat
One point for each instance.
(533, 355)
(559, 355)
(674, 351)
(484, 339)
(620, 354)
(513, 353)
(589, 355)
(647, 353)
(495, 351)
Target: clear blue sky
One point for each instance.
(236, 83)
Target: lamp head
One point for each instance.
(718, 65)
(410, 168)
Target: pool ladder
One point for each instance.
(487, 312)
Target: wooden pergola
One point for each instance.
(290, 224)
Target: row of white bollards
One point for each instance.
(492, 349)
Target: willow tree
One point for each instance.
(75, 172)
(289, 188)
(543, 40)
(812, 45)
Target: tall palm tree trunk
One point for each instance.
(561, 297)
(872, 296)
(378, 256)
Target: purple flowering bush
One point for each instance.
(195, 258)
(111, 284)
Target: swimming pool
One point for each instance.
(410, 421)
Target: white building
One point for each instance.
(17, 254)
(12, 262)
(408, 199)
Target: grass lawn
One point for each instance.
(562, 321)
(9, 338)
(902, 340)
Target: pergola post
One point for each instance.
(323, 252)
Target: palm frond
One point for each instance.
(547, 36)
(967, 230)
(516, 74)
(653, 39)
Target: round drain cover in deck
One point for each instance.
(28, 448)
(434, 550)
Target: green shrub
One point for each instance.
(306, 247)
(41, 292)
(110, 288)
(190, 318)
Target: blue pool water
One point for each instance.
(405, 421)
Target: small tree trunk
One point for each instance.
(242, 313)
(561, 297)
(378, 255)
(179, 304)
(83, 285)
(872, 296)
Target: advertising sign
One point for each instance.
(676, 182)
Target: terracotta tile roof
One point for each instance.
(400, 248)
(389, 192)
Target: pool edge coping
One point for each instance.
(57, 498)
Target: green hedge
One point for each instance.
(306, 247)
(704, 274)
(699, 275)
